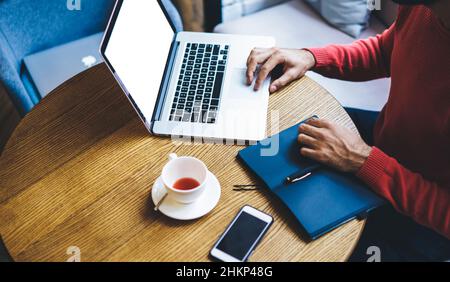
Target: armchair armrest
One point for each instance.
(9, 117)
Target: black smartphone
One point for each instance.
(242, 236)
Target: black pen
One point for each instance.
(298, 176)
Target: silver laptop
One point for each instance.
(49, 68)
(184, 84)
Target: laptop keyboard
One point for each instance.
(197, 98)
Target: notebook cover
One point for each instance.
(321, 202)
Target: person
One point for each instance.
(403, 153)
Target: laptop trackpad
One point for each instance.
(239, 89)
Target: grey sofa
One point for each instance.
(295, 24)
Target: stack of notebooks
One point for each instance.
(321, 202)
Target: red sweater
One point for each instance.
(410, 163)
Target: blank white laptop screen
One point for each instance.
(138, 48)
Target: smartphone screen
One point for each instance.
(242, 235)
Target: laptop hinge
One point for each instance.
(166, 81)
(130, 98)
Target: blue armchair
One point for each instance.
(31, 26)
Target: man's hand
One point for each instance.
(295, 64)
(333, 145)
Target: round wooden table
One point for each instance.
(79, 168)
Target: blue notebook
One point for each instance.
(322, 201)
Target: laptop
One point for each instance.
(184, 84)
(50, 68)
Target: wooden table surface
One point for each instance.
(79, 168)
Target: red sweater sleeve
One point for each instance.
(428, 203)
(360, 61)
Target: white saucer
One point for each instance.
(207, 201)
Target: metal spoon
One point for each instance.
(160, 202)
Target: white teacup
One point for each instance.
(184, 167)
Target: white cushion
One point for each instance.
(295, 25)
(350, 16)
